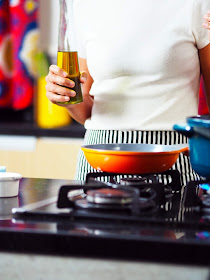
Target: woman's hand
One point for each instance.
(59, 87)
(206, 23)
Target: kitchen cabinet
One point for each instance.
(46, 158)
(40, 153)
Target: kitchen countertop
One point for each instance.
(39, 267)
(55, 250)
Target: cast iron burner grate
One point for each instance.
(197, 196)
(195, 206)
(170, 178)
(134, 194)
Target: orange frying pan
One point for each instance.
(132, 158)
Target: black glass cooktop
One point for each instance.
(149, 217)
(127, 208)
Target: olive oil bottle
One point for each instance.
(67, 57)
(68, 61)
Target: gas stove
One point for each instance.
(109, 196)
(128, 199)
(152, 209)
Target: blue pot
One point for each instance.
(197, 130)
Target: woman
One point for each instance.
(140, 68)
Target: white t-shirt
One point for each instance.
(143, 58)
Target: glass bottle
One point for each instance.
(67, 57)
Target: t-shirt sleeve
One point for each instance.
(201, 7)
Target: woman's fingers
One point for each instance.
(206, 23)
(56, 98)
(58, 71)
(59, 86)
(83, 77)
(59, 89)
(59, 80)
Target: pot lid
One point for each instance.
(200, 120)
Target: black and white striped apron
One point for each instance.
(142, 137)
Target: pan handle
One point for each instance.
(184, 129)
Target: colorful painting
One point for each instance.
(5, 56)
(19, 36)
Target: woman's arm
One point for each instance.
(58, 89)
(204, 55)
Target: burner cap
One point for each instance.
(110, 196)
(133, 181)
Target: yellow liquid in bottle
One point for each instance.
(68, 61)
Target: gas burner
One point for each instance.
(197, 198)
(204, 196)
(134, 194)
(132, 181)
(145, 184)
(116, 198)
(102, 196)
(110, 196)
(164, 184)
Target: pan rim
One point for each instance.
(92, 148)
